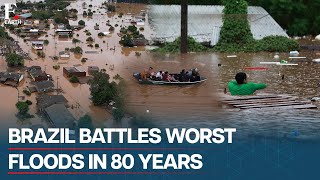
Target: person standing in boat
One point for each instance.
(241, 87)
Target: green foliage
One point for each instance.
(174, 47)
(285, 12)
(75, 11)
(132, 29)
(3, 33)
(42, 14)
(22, 107)
(41, 54)
(56, 67)
(96, 45)
(13, 60)
(78, 50)
(29, 102)
(127, 41)
(110, 7)
(74, 79)
(269, 43)
(75, 41)
(235, 27)
(90, 39)
(131, 33)
(102, 91)
(277, 44)
(81, 23)
(90, 13)
(85, 122)
(46, 42)
(26, 92)
(236, 36)
(100, 34)
(61, 17)
(111, 28)
(10, 27)
(299, 27)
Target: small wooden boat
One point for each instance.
(150, 81)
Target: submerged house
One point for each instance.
(37, 74)
(11, 78)
(60, 117)
(64, 54)
(73, 71)
(205, 23)
(44, 86)
(93, 69)
(45, 100)
(63, 34)
(37, 45)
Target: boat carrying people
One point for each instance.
(148, 76)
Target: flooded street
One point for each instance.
(170, 106)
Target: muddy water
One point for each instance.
(168, 106)
(196, 106)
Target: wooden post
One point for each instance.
(184, 26)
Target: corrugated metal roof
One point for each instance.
(205, 22)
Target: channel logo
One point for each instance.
(8, 8)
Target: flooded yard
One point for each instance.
(170, 106)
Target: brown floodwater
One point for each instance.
(181, 106)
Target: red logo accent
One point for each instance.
(16, 17)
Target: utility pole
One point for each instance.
(57, 85)
(184, 26)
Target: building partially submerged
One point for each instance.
(64, 54)
(37, 45)
(73, 71)
(37, 74)
(93, 69)
(44, 86)
(45, 100)
(60, 117)
(11, 78)
(205, 22)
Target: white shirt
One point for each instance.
(159, 75)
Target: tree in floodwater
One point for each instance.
(102, 91)
(85, 122)
(235, 27)
(14, 60)
(22, 107)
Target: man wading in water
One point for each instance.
(242, 87)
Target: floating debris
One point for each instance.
(232, 56)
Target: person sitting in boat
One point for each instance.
(195, 76)
(166, 76)
(172, 78)
(151, 73)
(147, 73)
(241, 87)
(182, 75)
(188, 75)
(159, 76)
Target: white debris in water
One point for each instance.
(232, 56)
(147, 111)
